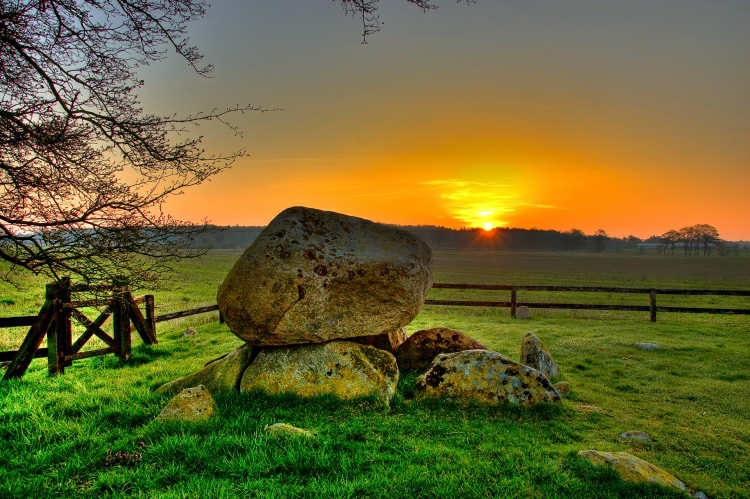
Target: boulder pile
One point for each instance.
(321, 300)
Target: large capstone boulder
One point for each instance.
(486, 377)
(312, 276)
(421, 348)
(220, 376)
(535, 354)
(341, 368)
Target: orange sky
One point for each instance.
(632, 118)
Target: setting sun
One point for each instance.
(488, 226)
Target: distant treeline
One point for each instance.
(240, 237)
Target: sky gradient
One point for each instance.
(633, 117)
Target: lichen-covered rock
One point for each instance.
(523, 312)
(535, 354)
(421, 348)
(647, 346)
(312, 276)
(386, 341)
(341, 368)
(220, 376)
(190, 332)
(287, 430)
(632, 468)
(563, 388)
(636, 436)
(191, 404)
(397, 337)
(484, 376)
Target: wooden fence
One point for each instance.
(652, 308)
(59, 308)
(54, 321)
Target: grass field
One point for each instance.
(692, 396)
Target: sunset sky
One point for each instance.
(633, 117)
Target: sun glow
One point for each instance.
(477, 204)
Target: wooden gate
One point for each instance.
(55, 321)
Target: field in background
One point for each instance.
(196, 281)
(692, 396)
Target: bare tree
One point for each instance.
(706, 235)
(600, 237)
(670, 239)
(578, 238)
(687, 238)
(367, 12)
(84, 171)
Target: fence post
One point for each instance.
(121, 318)
(34, 338)
(652, 304)
(513, 302)
(60, 334)
(150, 308)
(64, 327)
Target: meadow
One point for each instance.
(692, 396)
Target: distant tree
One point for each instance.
(600, 240)
(578, 238)
(633, 241)
(670, 239)
(723, 248)
(707, 235)
(688, 238)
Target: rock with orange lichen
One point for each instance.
(218, 376)
(191, 404)
(563, 388)
(313, 276)
(484, 376)
(421, 348)
(341, 368)
(287, 430)
(535, 354)
(632, 468)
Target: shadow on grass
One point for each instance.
(142, 354)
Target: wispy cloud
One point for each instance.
(542, 206)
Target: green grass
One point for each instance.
(692, 396)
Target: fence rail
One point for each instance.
(652, 308)
(26, 320)
(186, 313)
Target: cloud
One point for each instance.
(478, 203)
